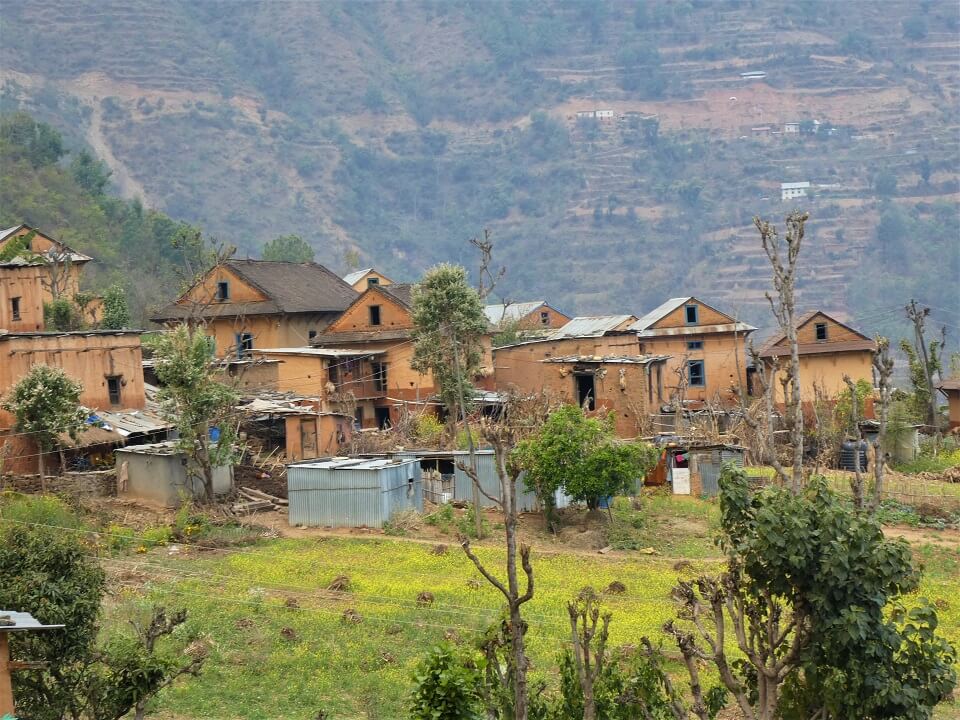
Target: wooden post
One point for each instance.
(6, 684)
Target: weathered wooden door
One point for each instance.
(308, 438)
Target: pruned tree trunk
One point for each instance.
(589, 631)
(783, 256)
(856, 484)
(883, 364)
(43, 478)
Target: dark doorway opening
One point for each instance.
(383, 417)
(586, 395)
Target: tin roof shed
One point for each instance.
(353, 492)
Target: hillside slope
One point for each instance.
(399, 130)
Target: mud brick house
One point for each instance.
(706, 349)
(591, 361)
(360, 280)
(526, 317)
(246, 304)
(951, 390)
(377, 328)
(105, 362)
(35, 268)
(828, 350)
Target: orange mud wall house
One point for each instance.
(951, 389)
(376, 328)
(108, 363)
(706, 346)
(592, 362)
(360, 280)
(248, 304)
(828, 350)
(28, 278)
(526, 316)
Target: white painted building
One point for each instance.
(790, 191)
(791, 127)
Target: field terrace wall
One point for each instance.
(694, 333)
(92, 358)
(828, 350)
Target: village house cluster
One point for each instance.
(319, 357)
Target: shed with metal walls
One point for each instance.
(353, 492)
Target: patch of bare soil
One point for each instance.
(137, 514)
(946, 538)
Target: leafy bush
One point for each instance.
(428, 430)
(119, 538)
(159, 535)
(442, 519)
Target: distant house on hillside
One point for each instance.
(259, 303)
(791, 191)
(791, 128)
(360, 280)
(828, 349)
(706, 347)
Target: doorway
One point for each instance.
(586, 393)
(382, 415)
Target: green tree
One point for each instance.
(448, 324)
(848, 408)
(925, 169)
(116, 312)
(62, 315)
(853, 651)
(195, 401)
(39, 143)
(54, 576)
(447, 687)
(582, 456)
(288, 248)
(885, 183)
(91, 174)
(46, 403)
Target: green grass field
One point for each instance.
(270, 660)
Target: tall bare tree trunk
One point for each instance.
(43, 479)
(883, 364)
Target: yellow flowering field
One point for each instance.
(283, 648)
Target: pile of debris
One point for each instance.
(251, 500)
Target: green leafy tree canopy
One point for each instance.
(449, 323)
(45, 403)
(116, 312)
(288, 248)
(583, 456)
(195, 400)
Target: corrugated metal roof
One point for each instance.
(592, 326)
(794, 185)
(21, 621)
(611, 359)
(660, 312)
(351, 278)
(511, 311)
(131, 422)
(320, 352)
(356, 463)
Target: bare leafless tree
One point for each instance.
(487, 278)
(927, 356)
(520, 417)
(768, 634)
(783, 254)
(589, 630)
(883, 365)
(856, 485)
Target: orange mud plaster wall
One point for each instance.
(720, 353)
(826, 372)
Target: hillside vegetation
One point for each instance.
(396, 130)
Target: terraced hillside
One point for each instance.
(398, 130)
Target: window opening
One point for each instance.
(374, 314)
(15, 307)
(821, 332)
(244, 344)
(380, 376)
(691, 314)
(695, 345)
(223, 290)
(695, 373)
(373, 281)
(113, 389)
